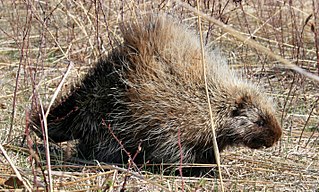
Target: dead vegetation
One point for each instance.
(39, 40)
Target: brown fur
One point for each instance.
(150, 87)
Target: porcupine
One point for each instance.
(150, 92)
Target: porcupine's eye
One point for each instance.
(260, 122)
(235, 113)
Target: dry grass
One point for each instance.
(38, 41)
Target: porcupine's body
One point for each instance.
(151, 87)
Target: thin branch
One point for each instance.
(45, 124)
(24, 46)
(56, 92)
(215, 145)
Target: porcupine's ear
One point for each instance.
(240, 103)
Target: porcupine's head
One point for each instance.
(250, 120)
